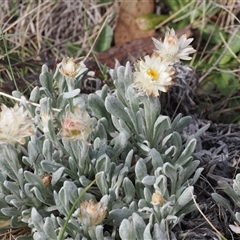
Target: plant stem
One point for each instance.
(73, 208)
(19, 100)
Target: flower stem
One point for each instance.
(73, 208)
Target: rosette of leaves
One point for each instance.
(234, 193)
(133, 152)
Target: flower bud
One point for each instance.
(46, 179)
(69, 68)
(157, 198)
(92, 213)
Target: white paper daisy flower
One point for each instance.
(153, 75)
(173, 49)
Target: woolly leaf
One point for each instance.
(120, 143)
(129, 190)
(34, 179)
(126, 230)
(35, 94)
(6, 169)
(188, 151)
(10, 211)
(140, 169)
(71, 190)
(120, 214)
(99, 232)
(96, 105)
(147, 194)
(149, 180)
(71, 94)
(102, 183)
(37, 220)
(223, 202)
(102, 163)
(161, 125)
(147, 232)
(46, 81)
(47, 149)
(186, 196)
(138, 225)
(116, 108)
(49, 229)
(157, 160)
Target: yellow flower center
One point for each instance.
(153, 74)
(75, 132)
